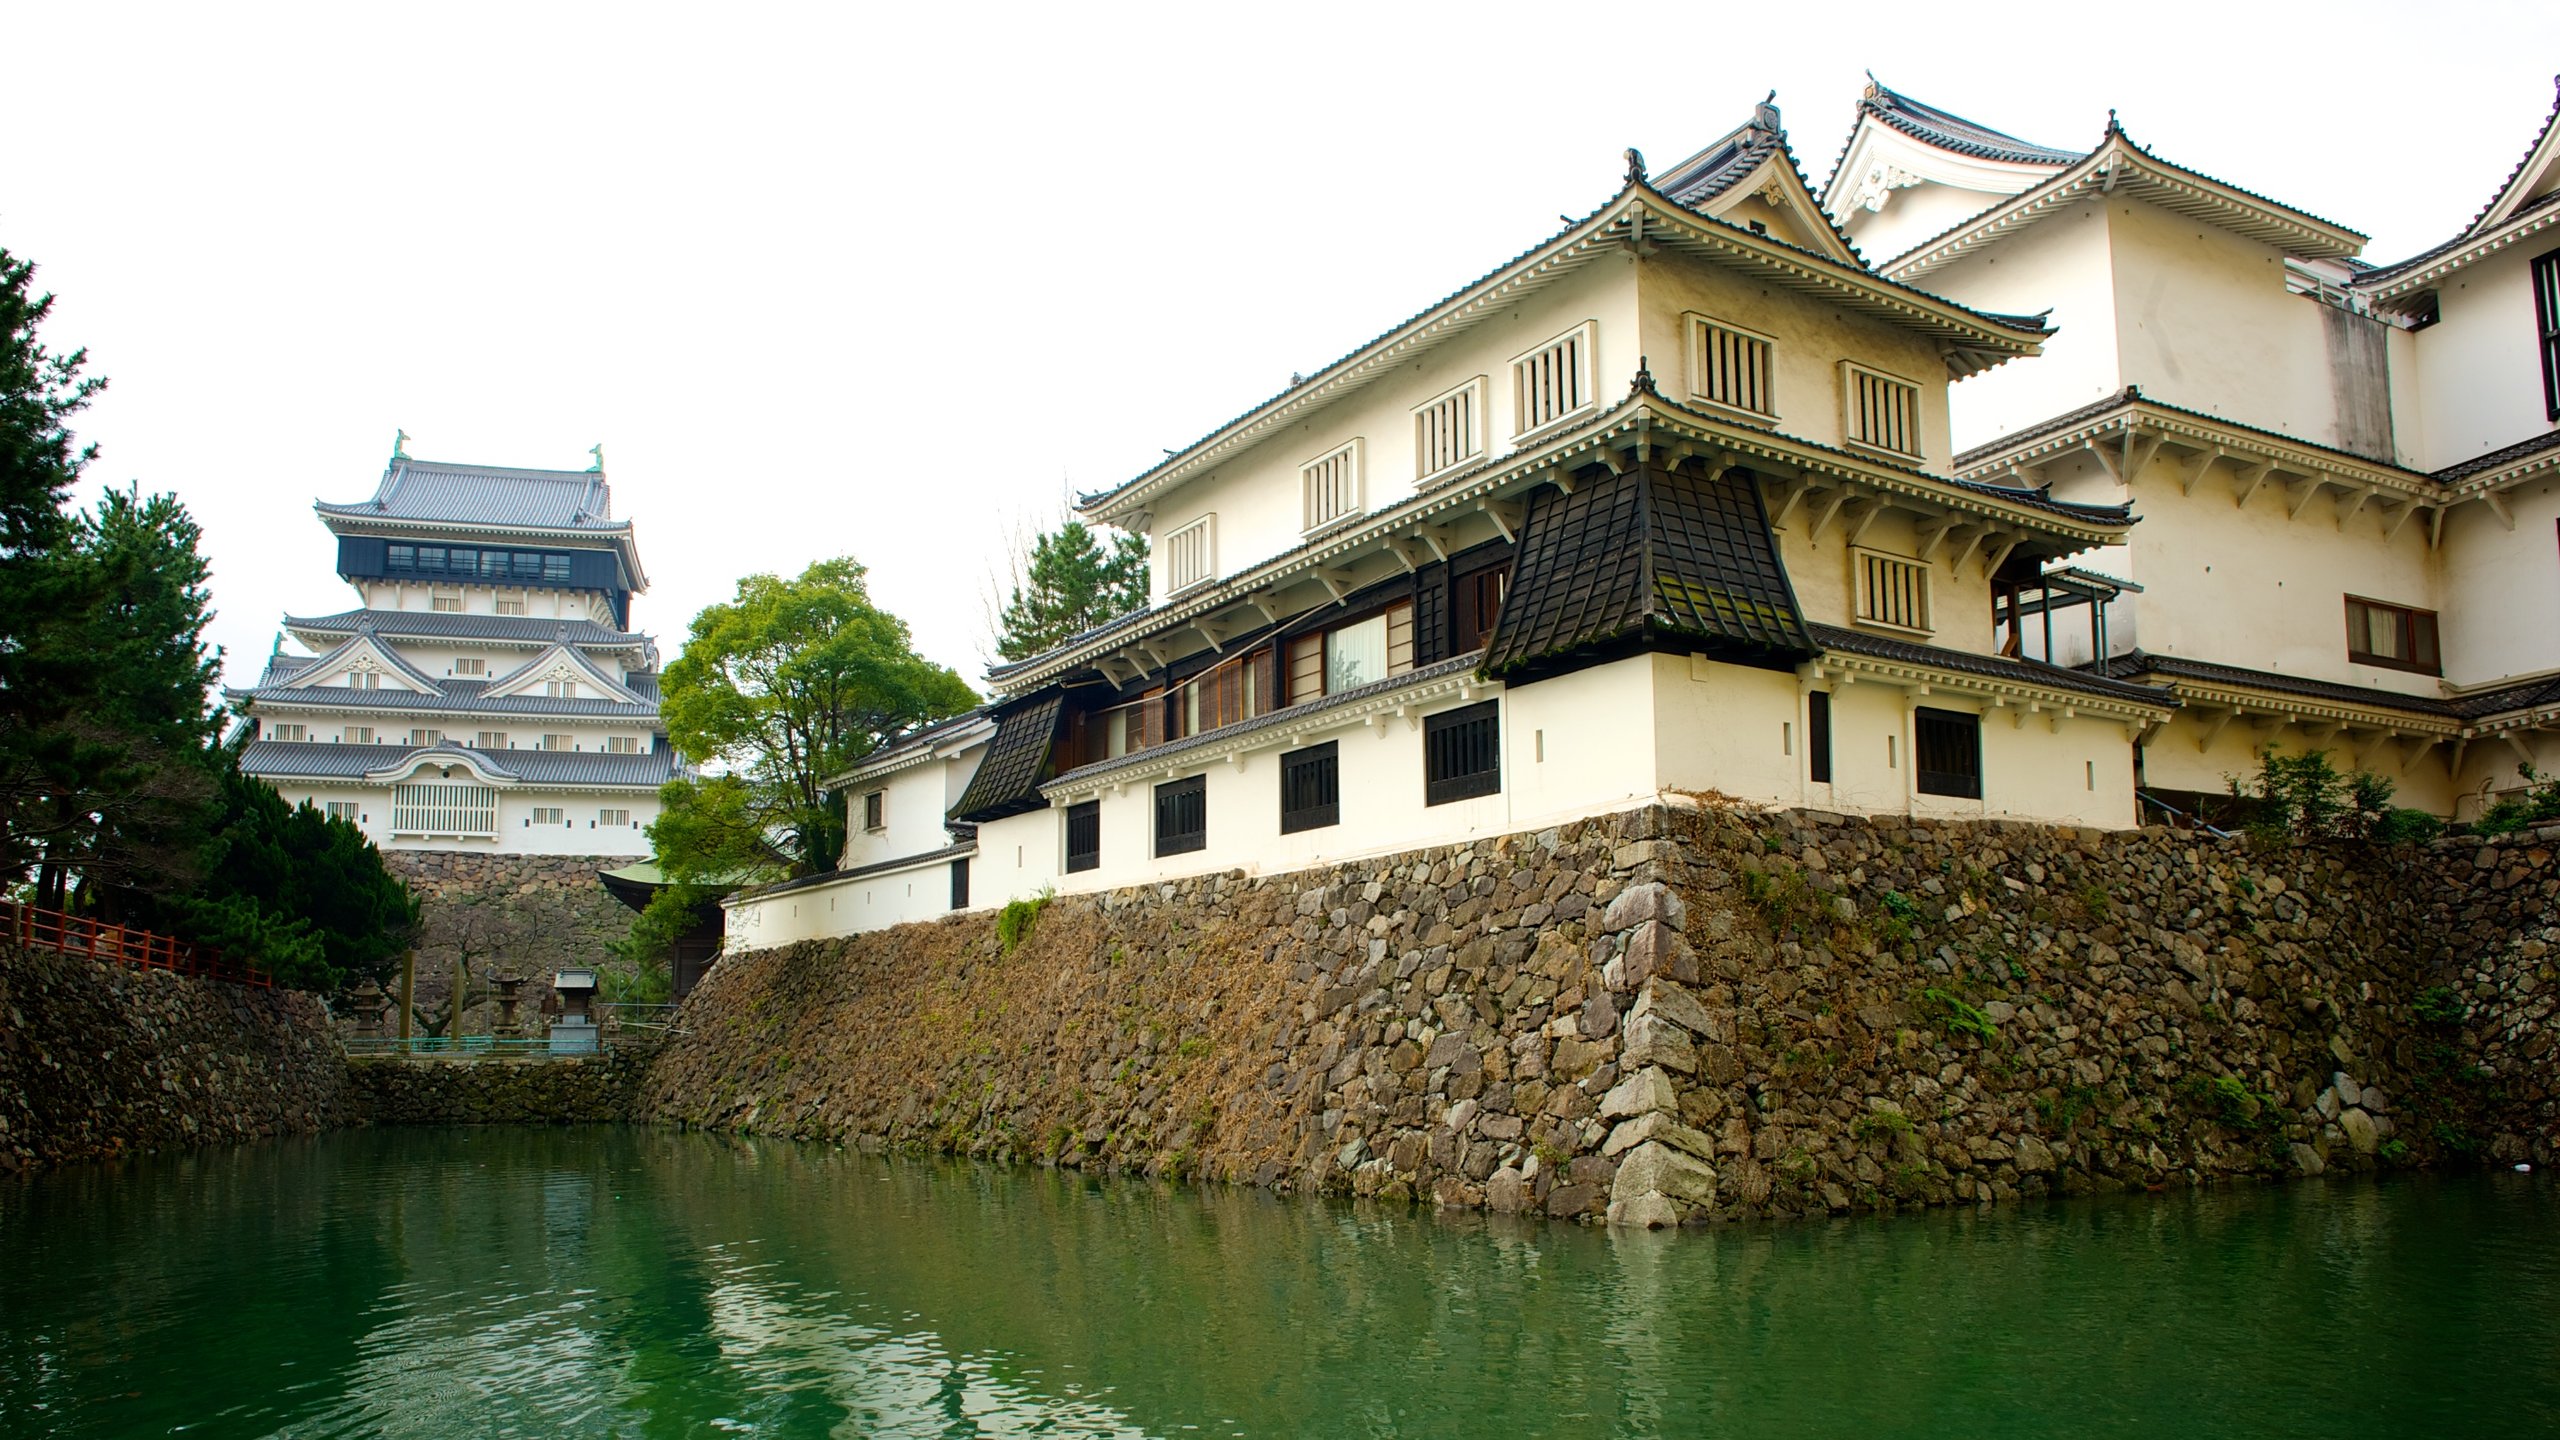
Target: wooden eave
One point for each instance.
(1644, 423)
(1640, 220)
(2118, 166)
(2402, 285)
(2204, 697)
(2019, 699)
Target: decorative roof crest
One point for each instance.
(1635, 166)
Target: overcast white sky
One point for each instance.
(869, 281)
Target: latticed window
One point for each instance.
(1084, 836)
(558, 742)
(550, 815)
(1182, 816)
(1552, 382)
(1892, 591)
(613, 819)
(1449, 431)
(346, 810)
(288, 732)
(622, 744)
(1880, 412)
(424, 737)
(469, 665)
(1462, 753)
(490, 740)
(441, 808)
(1310, 788)
(1730, 367)
(1189, 556)
(357, 734)
(1948, 745)
(1332, 485)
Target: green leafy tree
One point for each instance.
(41, 679)
(781, 688)
(292, 889)
(1072, 582)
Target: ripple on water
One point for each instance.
(609, 1283)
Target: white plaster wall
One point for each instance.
(419, 594)
(1913, 215)
(523, 732)
(847, 906)
(2178, 759)
(1811, 339)
(2076, 771)
(913, 808)
(1256, 494)
(2257, 588)
(1732, 729)
(2062, 262)
(517, 835)
(2204, 321)
(2488, 770)
(2502, 588)
(2478, 377)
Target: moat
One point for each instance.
(600, 1281)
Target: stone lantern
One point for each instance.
(368, 1002)
(507, 987)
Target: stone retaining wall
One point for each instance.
(102, 1060)
(1681, 1014)
(588, 1091)
(527, 915)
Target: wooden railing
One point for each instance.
(40, 929)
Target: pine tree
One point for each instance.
(1072, 584)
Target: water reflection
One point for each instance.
(637, 1283)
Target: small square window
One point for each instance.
(1893, 592)
(1948, 745)
(1729, 368)
(1879, 411)
(470, 665)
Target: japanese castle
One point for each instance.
(1992, 480)
(488, 692)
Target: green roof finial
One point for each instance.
(400, 445)
(597, 450)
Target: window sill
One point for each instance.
(1864, 447)
(2384, 662)
(1758, 419)
(1553, 427)
(1888, 627)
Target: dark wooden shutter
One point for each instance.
(1949, 746)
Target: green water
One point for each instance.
(602, 1282)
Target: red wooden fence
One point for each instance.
(79, 935)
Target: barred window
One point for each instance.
(490, 740)
(424, 737)
(1730, 366)
(1948, 745)
(288, 732)
(622, 744)
(1553, 382)
(357, 734)
(1892, 591)
(1449, 431)
(1310, 788)
(1190, 555)
(1332, 485)
(1182, 816)
(613, 819)
(434, 808)
(1084, 836)
(346, 810)
(1878, 410)
(470, 666)
(1462, 753)
(550, 815)
(2546, 326)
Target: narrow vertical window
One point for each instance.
(2546, 324)
(1448, 432)
(1817, 736)
(1553, 382)
(1182, 816)
(1462, 753)
(1084, 836)
(1948, 747)
(1310, 788)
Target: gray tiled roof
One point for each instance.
(2131, 395)
(2176, 667)
(287, 759)
(1997, 667)
(488, 495)
(1933, 126)
(443, 625)
(2498, 459)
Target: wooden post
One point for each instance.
(408, 988)
(461, 983)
